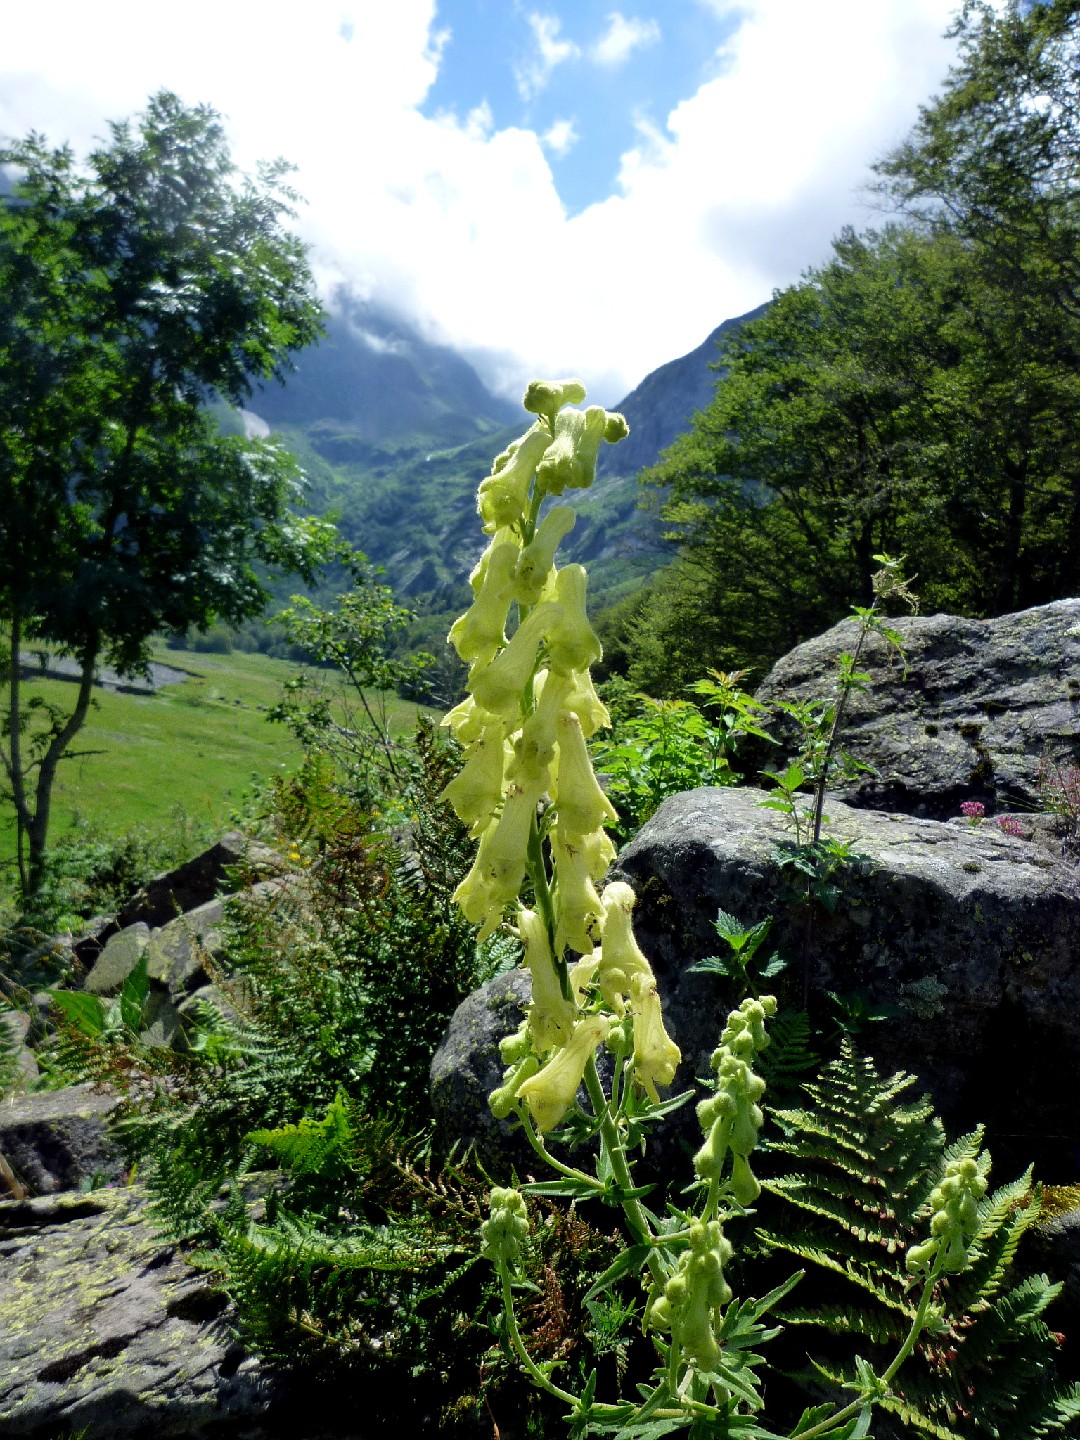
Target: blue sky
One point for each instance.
(553, 187)
(587, 78)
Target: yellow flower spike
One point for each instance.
(498, 687)
(478, 634)
(656, 1056)
(547, 397)
(583, 806)
(572, 644)
(535, 561)
(504, 495)
(551, 1093)
(577, 905)
(570, 459)
(477, 788)
(586, 704)
(551, 1015)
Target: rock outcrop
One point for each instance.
(967, 938)
(107, 1333)
(969, 717)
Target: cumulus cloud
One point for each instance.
(533, 74)
(561, 137)
(621, 38)
(457, 223)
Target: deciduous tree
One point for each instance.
(137, 287)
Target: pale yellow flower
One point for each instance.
(550, 1093)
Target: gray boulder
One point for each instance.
(107, 1333)
(178, 953)
(968, 938)
(55, 1139)
(118, 959)
(467, 1067)
(981, 701)
(190, 885)
(18, 1063)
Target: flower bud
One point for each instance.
(502, 1100)
(615, 428)
(535, 561)
(694, 1296)
(505, 1228)
(572, 642)
(570, 459)
(551, 1015)
(551, 1093)
(503, 497)
(955, 1218)
(547, 397)
(731, 1117)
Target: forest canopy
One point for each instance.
(917, 394)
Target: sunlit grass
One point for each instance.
(195, 746)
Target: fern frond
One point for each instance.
(858, 1161)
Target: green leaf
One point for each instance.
(628, 1263)
(86, 1012)
(133, 996)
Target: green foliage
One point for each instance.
(348, 719)
(848, 1197)
(136, 289)
(901, 398)
(662, 747)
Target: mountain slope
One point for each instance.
(396, 434)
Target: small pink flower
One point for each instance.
(973, 810)
(1009, 825)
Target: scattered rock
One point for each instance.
(161, 1020)
(118, 959)
(178, 953)
(978, 705)
(56, 1139)
(199, 880)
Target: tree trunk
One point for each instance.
(38, 828)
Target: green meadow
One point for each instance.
(193, 747)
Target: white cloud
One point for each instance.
(622, 38)
(561, 137)
(459, 224)
(533, 74)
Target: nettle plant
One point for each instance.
(529, 794)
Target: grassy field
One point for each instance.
(191, 747)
